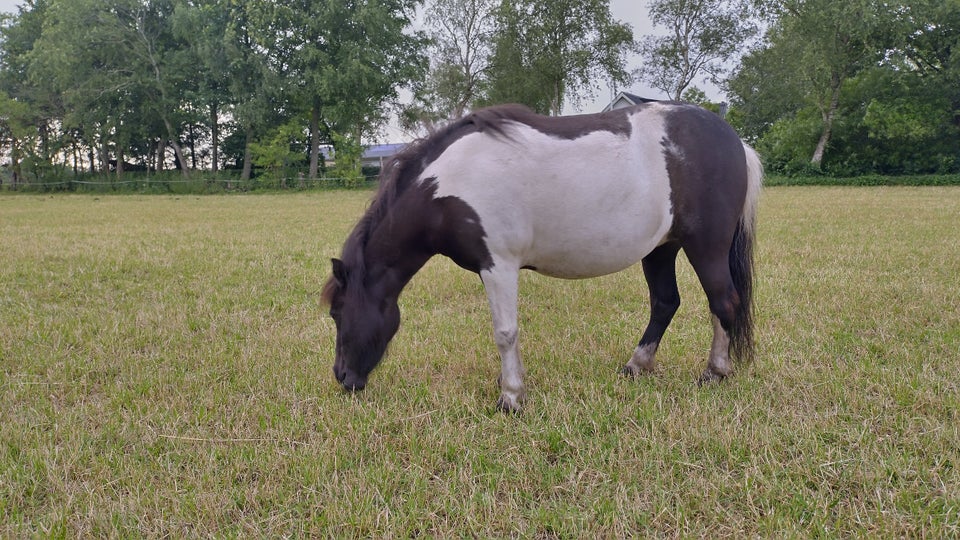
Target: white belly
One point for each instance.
(567, 208)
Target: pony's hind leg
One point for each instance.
(718, 364)
(659, 268)
(501, 286)
(714, 272)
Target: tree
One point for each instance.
(285, 148)
(903, 113)
(153, 42)
(16, 126)
(931, 48)
(855, 87)
(833, 41)
(344, 60)
(27, 108)
(115, 79)
(255, 85)
(201, 25)
(123, 73)
(461, 34)
(768, 85)
(703, 35)
(548, 52)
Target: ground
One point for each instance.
(166, 371)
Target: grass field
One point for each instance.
(166, 373)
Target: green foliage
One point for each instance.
(699, 97)
(701, 36)
(283, 151)
(549, 52)
(766, 87)
(903, 125)
(462, 42)
(145, 75)
(894, 123)
(861, 87)
(347, 170)
(343, 60)
(787, 145)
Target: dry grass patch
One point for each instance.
(165, 371)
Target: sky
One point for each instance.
(9, 6)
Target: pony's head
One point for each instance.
(366, 318)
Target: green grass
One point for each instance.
(166, 372)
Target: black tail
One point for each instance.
(741, 263)
(741, 269)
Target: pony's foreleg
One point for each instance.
(659, 268)
(501, 285)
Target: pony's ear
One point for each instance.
(339, 272)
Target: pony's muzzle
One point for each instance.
(350, 381)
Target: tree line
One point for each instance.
(108, 86)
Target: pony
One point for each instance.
(504, 189)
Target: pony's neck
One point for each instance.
(418, 226)
(394, 253)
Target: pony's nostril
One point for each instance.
(351, 382)
(354, 387)
(340, 374)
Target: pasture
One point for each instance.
(166, 372)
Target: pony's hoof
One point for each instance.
(709, 377)
(508, 405)
(633, 372)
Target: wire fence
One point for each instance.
(190, 185)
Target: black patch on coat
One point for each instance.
(707, 167)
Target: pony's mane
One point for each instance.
(403, 169)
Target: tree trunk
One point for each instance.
(104, 158)
(828, 115)
(314, 139)
(176, 147)
(215, 136)
(76, 160)
(15, 162)
(247, 156)
(119, 162)
(556, 107)
(193, 146)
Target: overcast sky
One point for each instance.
(9, 6)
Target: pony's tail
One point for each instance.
(741, 261)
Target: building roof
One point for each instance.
(626, 99)
(378, 151)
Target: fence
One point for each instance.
(189, 185)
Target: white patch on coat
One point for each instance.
(719, 362)
(568, 208)
(643, 359)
